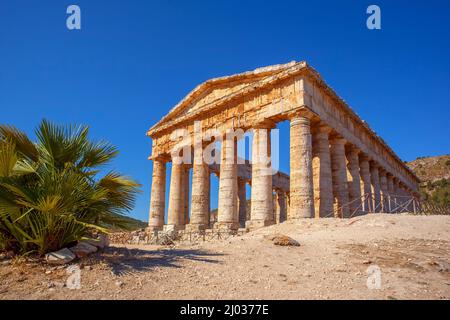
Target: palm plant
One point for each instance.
(49, 194)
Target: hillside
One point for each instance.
(434, 172)
(127, 223)
(431, 168)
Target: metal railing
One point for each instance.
(368, 203)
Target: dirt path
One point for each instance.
(411, 252)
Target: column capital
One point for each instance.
(160, 157)
(303, 115)
(338, 140)
(267, 124)
(353, 150)
(374, 164)
(364, 157)
(321, 131)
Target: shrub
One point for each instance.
(49, 194)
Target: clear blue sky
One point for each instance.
(133, 60)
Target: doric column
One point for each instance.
(366, 188)
(384, 190)
(339, 173)
(242, 202)
(280, 207)
(354, 181)
(288, 206)
(227, 216)
(185, 179)
(391, 192)
(158, 195)
(323, 187)
(375, 181)
(261, 193)
(301, 180)
(175, 219)
(200, 191)
(397, 194)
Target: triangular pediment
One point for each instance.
(215, 89)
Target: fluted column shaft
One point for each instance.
(261, 192)
(323, 187)
(158, 195)
(391, 192)
(281, 207)
(354, 181)
(301, 180)
(186, 188)
(200, 191)
(339, 173)
(366, 188)
(175, 217)
(242, 202)
(227, 216)
(375, 181)
(384, 191)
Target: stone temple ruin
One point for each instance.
(338, 165)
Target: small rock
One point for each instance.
(83, 248)
(101, 242)
(62, 256)
(119, 284)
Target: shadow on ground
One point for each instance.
(123, 261)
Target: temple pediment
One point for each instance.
(214, 90)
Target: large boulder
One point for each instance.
(282, 240)
(62, 256)
(83, 248)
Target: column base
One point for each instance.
(257, 224)
(173, 227)
(231, 227)
(196, 227)
(152, 229)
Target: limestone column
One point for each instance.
(323, 187)
(280, 207)
(186, 188)
(261, 194)
(384, 190)
(301, 180)
(339, 174)
(354, 181)
(242, 202)
(375, 181)
(366, 186)
(200, 201)
(288, 206)
(158, 195)
(398, 195)
(390, 185)
(175, 219)
(227, 216)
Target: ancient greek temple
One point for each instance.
(339, 167)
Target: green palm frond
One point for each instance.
(23, 144)
(49, 194)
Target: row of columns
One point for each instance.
(328, 176)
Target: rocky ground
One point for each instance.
(334, 261)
